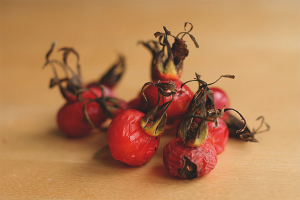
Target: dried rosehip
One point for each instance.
(168, 67)
(133, 136)
(189, 162)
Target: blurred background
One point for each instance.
(257, 41)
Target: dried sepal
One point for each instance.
(73, 83)
(246, 135)
(115, 73)
(164, 89)
(155, 120)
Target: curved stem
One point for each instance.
(225, 76)
(242, 129)
(261, 124)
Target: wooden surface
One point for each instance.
(257, 41)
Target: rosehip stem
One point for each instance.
(244, 127)
(203, 83)
(225, 76)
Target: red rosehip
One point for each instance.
(168, 66)
(70, 117)
(133, 136)
(219, 135)
(189, 162)
(178, 108)
(128, 142)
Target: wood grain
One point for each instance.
(257, 41)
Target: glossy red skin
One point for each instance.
(71, 120)
(220, 99)
(127, 140)
(218, 136)
(178, 108)
(205, 157)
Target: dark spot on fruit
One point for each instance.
(154, 148)
(189, 170)
(156, 138)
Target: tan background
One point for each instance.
(258, 41)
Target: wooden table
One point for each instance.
(258, 42)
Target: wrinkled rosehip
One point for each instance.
(127, 140)
(189, 162)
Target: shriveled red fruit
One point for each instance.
(219, 135)
(221, 100)
(127, 140)
(189, 162)
(70, 117)
(178, 108)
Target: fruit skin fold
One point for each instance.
(127, 140)
(176, 153)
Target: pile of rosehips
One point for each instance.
(201, 121)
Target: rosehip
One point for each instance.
(77, 118)
(127, 140)
(71, 119)
(168, 67)
(133, 136)
(189, 162)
